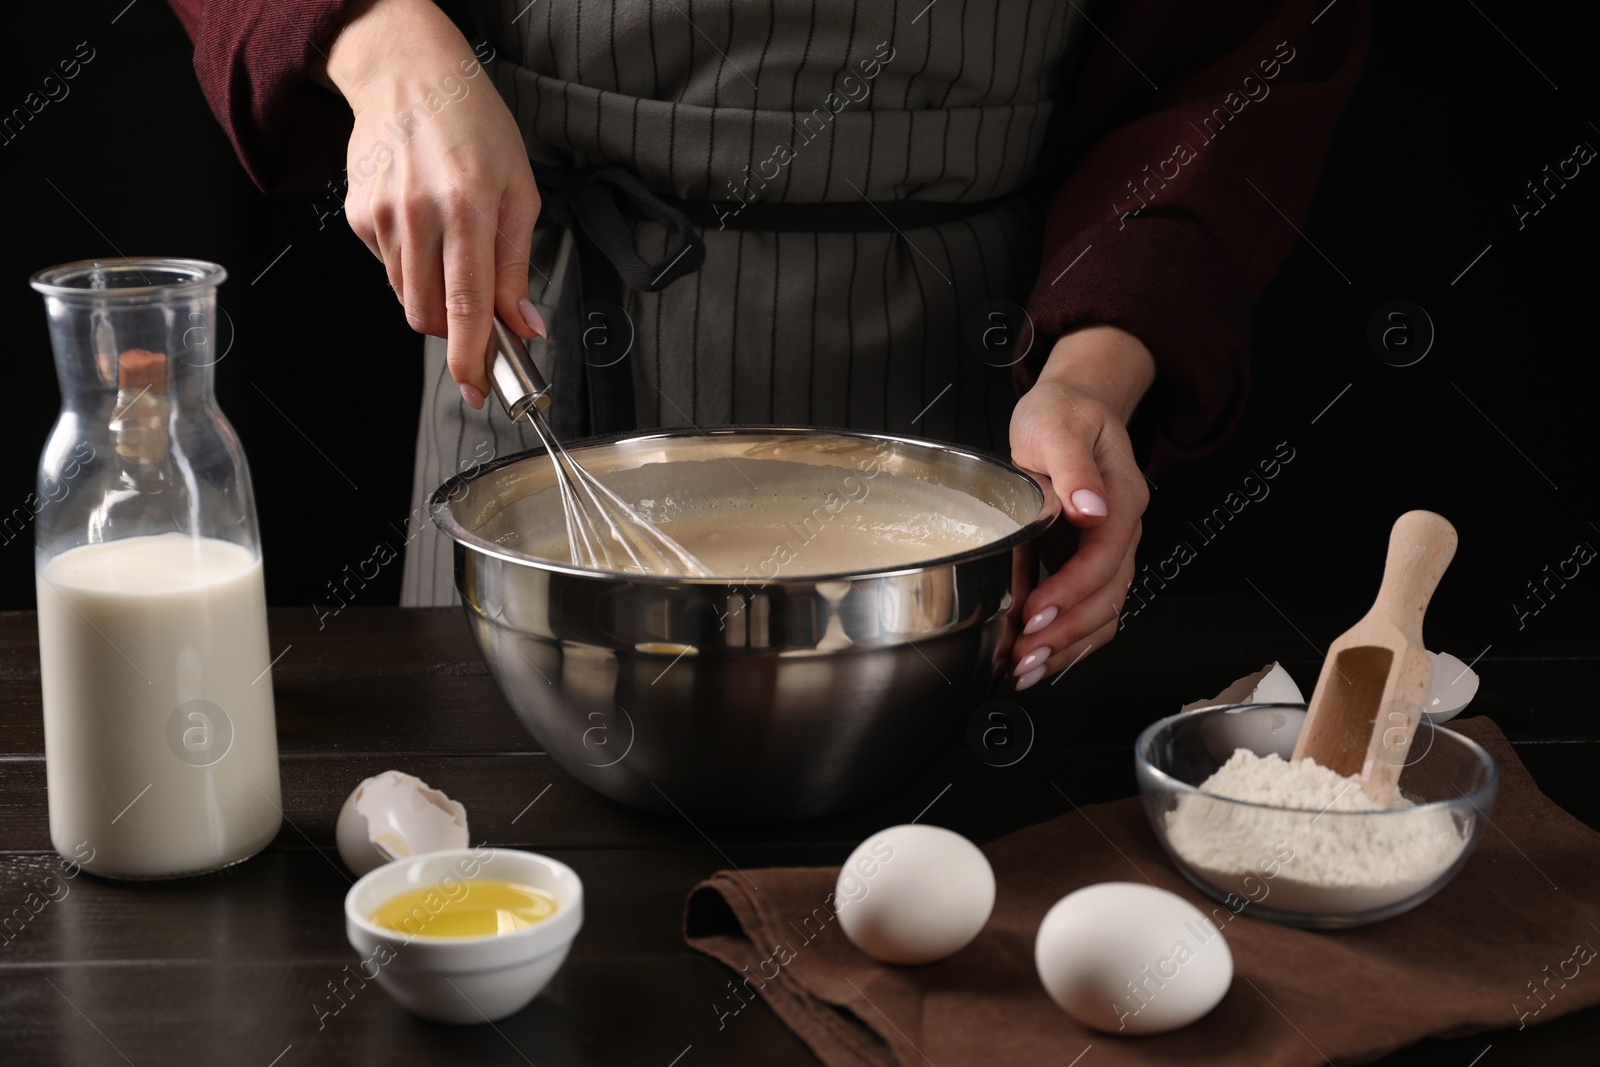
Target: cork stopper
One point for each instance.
(140, 368)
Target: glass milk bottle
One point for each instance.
(160, 749)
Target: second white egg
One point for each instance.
(914, 894)
(1129, 958)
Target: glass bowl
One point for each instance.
(1304, 867)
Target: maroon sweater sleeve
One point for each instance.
(252, 59)
(1172, 219)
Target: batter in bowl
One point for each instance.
(762, 519)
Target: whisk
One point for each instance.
(603, 531)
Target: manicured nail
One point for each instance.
(535, 321)
(1041, 620)
(1089, 502)
(1031, 678)
(1032, 660)
(471, 395)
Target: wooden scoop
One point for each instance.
(1369, 698)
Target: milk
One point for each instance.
(160, 748)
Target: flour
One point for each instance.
(1331, 849)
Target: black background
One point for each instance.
(1494, 428)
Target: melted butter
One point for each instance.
(465, 909)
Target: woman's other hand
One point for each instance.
(1072, 426)
(440, 188)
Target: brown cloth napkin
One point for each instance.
(1496, 948)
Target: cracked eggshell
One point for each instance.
(1452, 689)
(1270, 685)
(1276, 687)
(1271, 730)
(394, 815)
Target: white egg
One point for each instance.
(914, 894)
(1453, 687)
(1128, 958)
(393, 815)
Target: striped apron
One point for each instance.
(748, 110)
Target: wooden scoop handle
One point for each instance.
(1421, 546)
(1379, 668)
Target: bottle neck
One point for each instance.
(136, 369)
(108, 354)
(140, 446)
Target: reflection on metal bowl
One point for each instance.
(743, 699)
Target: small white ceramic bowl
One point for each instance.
(464, 979)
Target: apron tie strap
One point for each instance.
(600, 208)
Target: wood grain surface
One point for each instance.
(241, 967)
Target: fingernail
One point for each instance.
(1089, 502)
(1031, 678)
(470, 394)
(535, 321)
(1040, 621)
(1033, 659)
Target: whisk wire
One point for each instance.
(589, 545)
(521, 389)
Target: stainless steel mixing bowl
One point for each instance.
(735, 700)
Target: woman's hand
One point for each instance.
(440, 186)
(1072, 426)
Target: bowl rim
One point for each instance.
(1484, 792)
(523, 857)
(1049, 508)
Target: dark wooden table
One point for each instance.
(235, 968)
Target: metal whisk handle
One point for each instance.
(516, 381)
(604, 532)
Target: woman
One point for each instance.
(834, 212)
